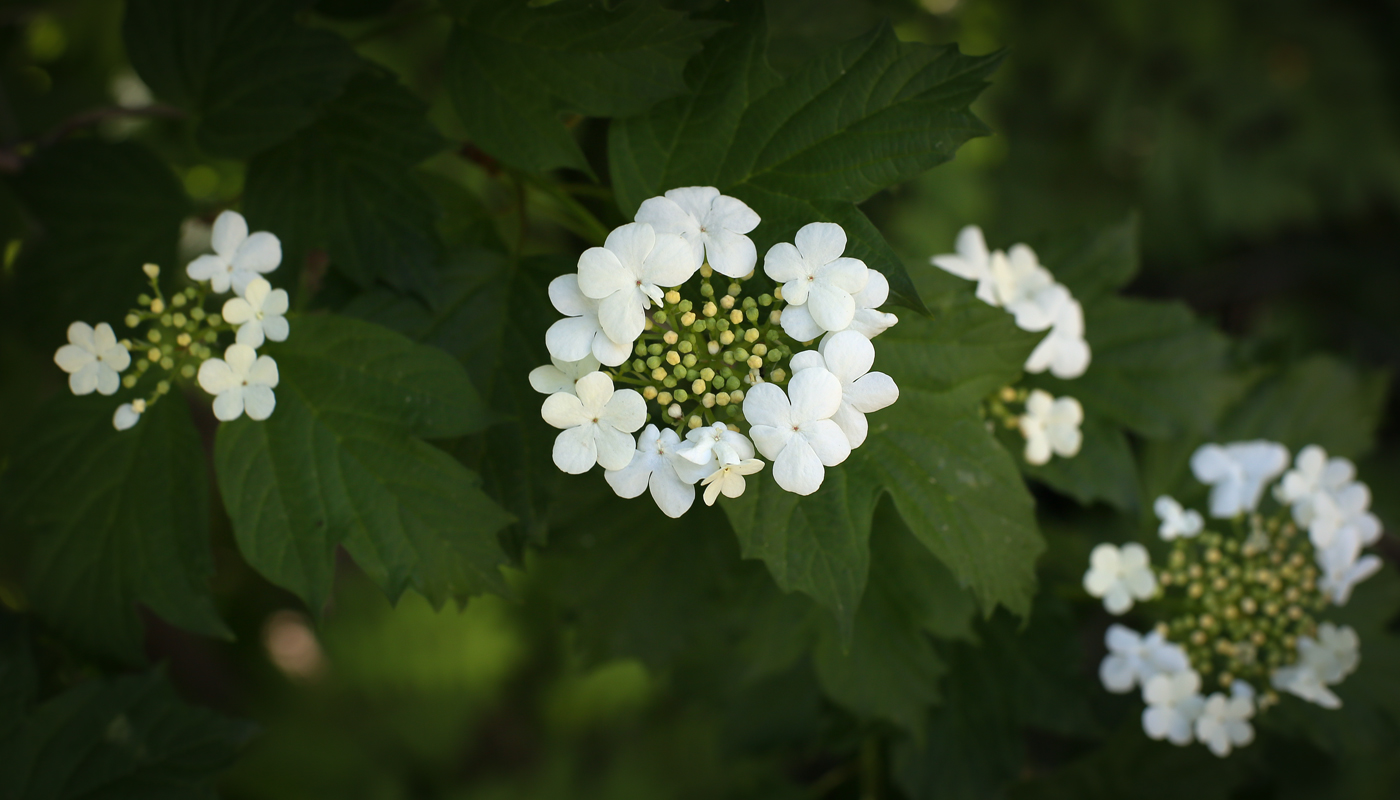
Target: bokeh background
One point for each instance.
(1256, 141)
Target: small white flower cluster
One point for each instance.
(627, 322)
(1017, 282)
(180, 332)
(1247, 593)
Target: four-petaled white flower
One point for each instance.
(580, 332)
(1120, 576)
(705, 445)
(241, 381)
(1237, 473)
(658, 465)
(1174, 704)
(795, 430)
(1177, 521)
(1343, 566)
(972, 261)
(629, 273)
(128, 414)
(729, 478)
(849, 355)
(258, 314)
(238, 257)
(1322, 662)
(1313, 472)
(561, 376)
(1051, 426)
(92, 358)
(711, 223)
(1327, 500)
(1063, 351)
(1224, 721)
(815, 274)
(1134, 659)
(597, 424)
(1027, 289)
(869, 320)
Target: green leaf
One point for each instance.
(1317, 401)
(818, 544)
(1092, 261)
(868, 114)
(1104, 469)
(340, 463)
(124, 737)
(103, 210)
(111, 519)
(344, 185)
(512, 68)
(244, 69)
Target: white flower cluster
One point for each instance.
(180, 332)
(626, 322)
(1247, 593)
(1016, 281)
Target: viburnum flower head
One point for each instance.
(258, 314)
(1174, 703)
(972, 261)
(580, 333)
(560, 376)
(1237, 473)
(238, 257)
(1051, 426)
(92, 358)
(1322, 662)
(1134, 659)
(712, 224)
(1224, 721)
(629, 273)
(597, 424)
(795, 430)
(1063, 351)
(815, 274)
(1120, 576)
(849, 356)
(868, 320)
(242, 381)
(658, 465)
(1177, 521)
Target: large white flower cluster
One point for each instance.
(1245, 588)
(1016, 281)
(658, 337)
(179, 332)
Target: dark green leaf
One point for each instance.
(114, 518)
(1093, 261)
(1104, 469)
(339, 463)
(247, 72)
(1318, 401)
(512, 68)
(344, 185)
(868, 114)
(18, 678)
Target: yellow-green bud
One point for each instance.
(708, 400)
(669, 382)
(751, 314)
(778, 376)
(755, 362)
(698, 386)
(694, 422)
(678, 370)
(707, 374)
(167, 363)
(686, 346)
(765, 300)
(722, 399)
(705, 270)
(196, 313)
(706, 290)
(760, 349)
(712, 348)
(179, 319)
(183, 340)
(751, 335)
(151, 270)
(655, 349)
(709, 309)
(672, 357)
(688, 360)
(734, 289)
(163, 387)
(672, 297)
(658, 374)
(187, 370)
(778, 293)
(129, 381)
(675, 412)
(726, 302)
(132, 320)
(640, 349)
(653, 362)
(179, 300)
(681, 395)
(726, 338)
(658, 317)
(215, 320)
(157, 306)
(736, 316)
(153, 335)
(168, 320)
(649, 393)
(736, 397)
(664, 398)
(688, 318)
(153, 354)
(775, 317)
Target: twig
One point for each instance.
(88, 118)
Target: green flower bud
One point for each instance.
(707, 374)
(681, 395)
(765, 300)
(688, 360)
(722, 324)
(684, 306)
(734, 289)
(669, 382)
(640, 349)
(132, 320)
(188, 369)
(678, 370)
(143, 299)
(751, 314)
(179, 300)
(153, 335)
(706, 290)
(686, 346)
(653, 362)
(732, 384)
(655, 349)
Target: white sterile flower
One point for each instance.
(1063, 351)
(657, 464)
(849, 355)
(1313, 472)
(241, 381)
(1322, 662)
(815, 274)
(92, 358)
(630, 272)
(1224, 721)
(1343, 566)
(561, 376)
(711, 223)
(258, 314)
(580, 333)
(1177, 521)
(1237, 473)
(1134, 659)
(704, 446)
(597, 424)
(869, 320)
(128, 414)
(1051, 426)
(1174, 704)
(1120, 576)
(972, 261)
(795, 430)
(729, 478)
(1027, 289)
(238, 257)
(1326, 498)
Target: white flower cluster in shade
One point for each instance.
(1016, 281)
(804, 427)
(241, 380)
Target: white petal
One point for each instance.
(729, 253)
(876, 291)
(275, 327)
(71, 358)
(664, 215)
(770, 440)
(81, 335)
(1117, 674)
(103, 339)
(815, 394)
(826, 440)
(1071, 360)
(594, 390)
(730, 214)
(820, 242)
(670, 262)
(631, 243)
(229, 231)
(672, 494)
(806, 359)
(852, 423)
(107, 380)
(1037, 446)
(240, 359)
(832, 308)
(848, 274)
(250, 334)
(550, 379)
(216, 377)
(261, 252)
(797, 468)
(848, 355)
(575, 450)
(125, 417)
(608, 352)
(615, 448)
(1117, 600)
(263, 372)
(571, 338)
(229, 405)
(205, 268)
(119, 358)
(623, 315)
(694, 200)
(562, 410)
(1122, 639)
(872, 392)
(797, 322)
(784, 263)
(1210, 463)
(765, 404)
(625, 411)
(601, 273)
(255, 294)
(237, 311)
(259, 401)
(566, 296)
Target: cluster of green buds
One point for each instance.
(179, 336)
(696, 358)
